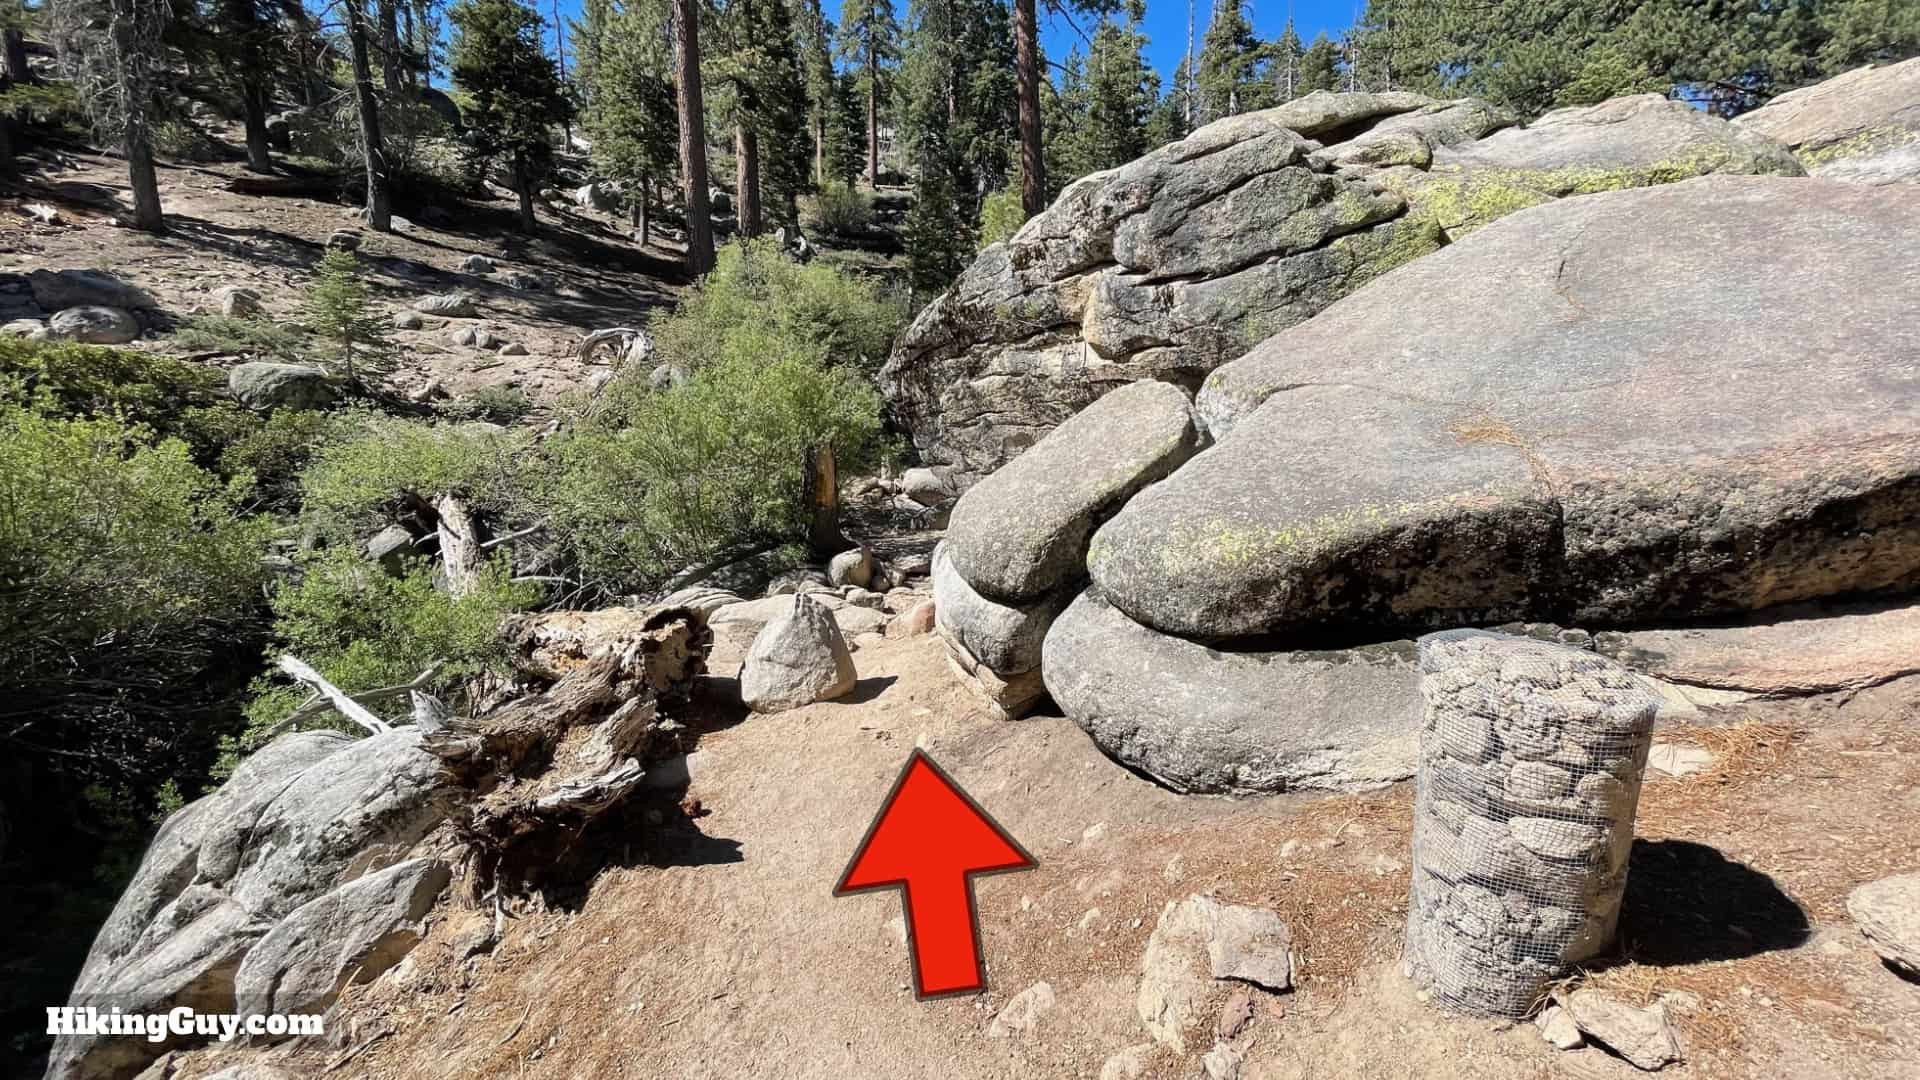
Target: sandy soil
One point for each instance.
(712, 947)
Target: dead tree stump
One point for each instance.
(1530, 763)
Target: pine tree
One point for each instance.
(112, 51)
(787, 139)
(1120, 93)
(1284, 55)
(338, 313)
(870, 39)
(514, 91)
(630, 108)
(846, 130)
(815, 36)
(1229, 55)
(693, 137)
(1320, 66)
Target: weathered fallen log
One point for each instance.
(294, 187)
(544, 766)
(551, 644)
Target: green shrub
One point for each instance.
(353, 485)
(259, 338)
(657, 481)
(1001, 215)
(363, 628)
(174, 399)
(494, 404)
(276, 450)
(182, 140)
(757, 303)
(128, 590)
(840, 210)
(105, 529)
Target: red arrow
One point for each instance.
(931, 839)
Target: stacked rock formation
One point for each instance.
(1511, 430)
(1016, 544)
(1530, 763)
(1173, 264)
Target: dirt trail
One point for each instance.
(729, 958)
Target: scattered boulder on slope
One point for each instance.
(1559, 419)
(1022, 531)
(303, 816)
(1175, 263)
(56, 290)
(93, 324)
(1888, 913)
(798, 658)
(351, 934)
(1863, 126)
(263, 385)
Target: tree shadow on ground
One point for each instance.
(1686, 903)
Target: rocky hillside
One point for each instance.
(1239, 425)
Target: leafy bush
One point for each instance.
(757, 303)
(353, 485)
(126, 583)
(655, 482)
(363, 628)
(840, 210)
(260, 338)
(495, 404)
(173, 399)
(276, 450)
(179, 139)
(1001, 215)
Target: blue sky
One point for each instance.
(1165, 24)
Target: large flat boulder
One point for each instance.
(1643, 132)
(1173, 264)
(1022, 531)
(1671, 402)
(351, 934)
(1638, 141)
(1210, 721)
(1862, 126)
(305, 815)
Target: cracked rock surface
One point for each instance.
(1558, 422)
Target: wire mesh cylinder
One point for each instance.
(1530, 763)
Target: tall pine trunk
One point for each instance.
(135, 105)
(146, 183)
(746, 155)
(1026, 65)
(16, 55)
(820, 148)
(390, 46)
(523, 187)
(873, 113)
(379, 201)
(693, 142)
(253, 98)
